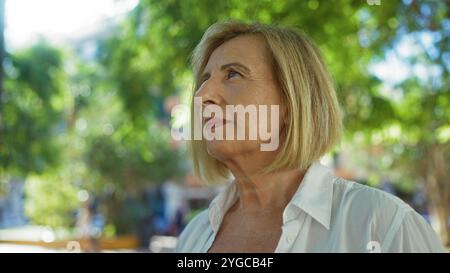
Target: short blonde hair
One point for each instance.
(314, 121)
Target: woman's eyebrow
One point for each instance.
(225, 66)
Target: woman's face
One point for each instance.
(239, 73)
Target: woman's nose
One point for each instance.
(209, 91)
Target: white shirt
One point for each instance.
(327, 214)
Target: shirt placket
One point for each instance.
(291, 230)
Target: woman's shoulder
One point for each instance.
(366, 197)
(367, 207)
(195, 229)
(383, 215)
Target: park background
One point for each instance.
(87, 162)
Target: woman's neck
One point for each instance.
(265, 192)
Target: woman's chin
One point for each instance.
(221, 149)
(225, 149)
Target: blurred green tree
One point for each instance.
(33, 104)
(33, 121)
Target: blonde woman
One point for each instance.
(284, 199)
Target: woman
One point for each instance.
(284, 200)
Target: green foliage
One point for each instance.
(134, 159)
(51, 200)
(32, 110)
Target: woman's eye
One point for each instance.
(232, 74)
(203, 80)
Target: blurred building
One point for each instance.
(12, 205)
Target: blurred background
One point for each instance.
(87, 162)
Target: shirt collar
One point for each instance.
(315, 193)
(221, 203)
(313, 196)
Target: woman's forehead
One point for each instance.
(246, 49)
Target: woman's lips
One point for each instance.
(215, 122)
